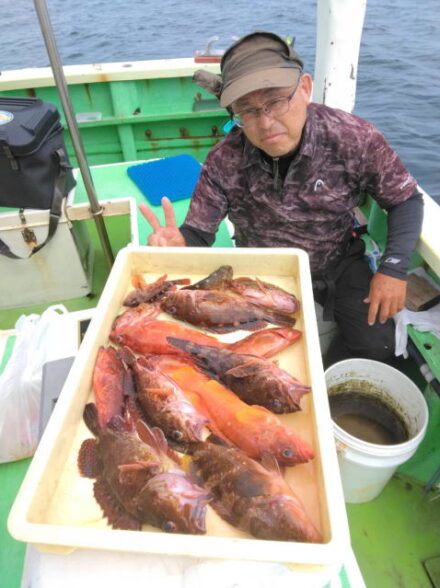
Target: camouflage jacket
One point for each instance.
(340, 157)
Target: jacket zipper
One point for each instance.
(275, 162)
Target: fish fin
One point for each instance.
(216, 280)
(270, 462)
(134, 474)
(249, 326)
(277, 318)
(134, 409)
(126, 355)
(218, 440)
(90, 416)
(113, 510)
(88, 462)
(154, 437)
(248, 368)
(119, 423)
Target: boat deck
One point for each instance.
(395, 538)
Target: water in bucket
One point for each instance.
(380, 418)
(366, 416)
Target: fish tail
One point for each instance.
(277, 318)
(90, 416)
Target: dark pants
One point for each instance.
(356, 337)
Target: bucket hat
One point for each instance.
(256, 61)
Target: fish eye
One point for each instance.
(287, 453)
(177, 435)
(276, 403)
(169, 527)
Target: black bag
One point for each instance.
(34, 168)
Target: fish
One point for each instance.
(255, 380)
(163, 402)
(265, 294)
(254, 429)
(254, 290)
(220, 311)
(132, 316)
(264, 343)
(138, 329)
(144, 292)
(136, 481)
(110, 382)
(250, 497)
(142, 333)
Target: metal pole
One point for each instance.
(60, 80)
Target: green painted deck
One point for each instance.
(392, 536)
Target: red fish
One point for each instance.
(136, 481)
(265, 294)
(253, 429)
(110, 382)
(163, 401)
(144, 334)
(132, 316)
(150, 292)
(220, 311)
(255, 380)
(250, 497)
(138, 329)
(264, 343)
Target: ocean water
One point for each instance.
(399, 67)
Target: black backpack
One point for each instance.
(34, 167)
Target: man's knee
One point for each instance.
(372, 342)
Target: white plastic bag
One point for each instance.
(21, 381)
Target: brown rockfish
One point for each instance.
(251, 497)
(136, 480)
(255, 380)
(220, 311)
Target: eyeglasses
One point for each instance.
(273, 108)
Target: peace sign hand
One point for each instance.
(167, 236)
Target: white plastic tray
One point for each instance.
(55, 509)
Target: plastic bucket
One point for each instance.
(367, 467)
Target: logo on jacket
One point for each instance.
(392, 260)
(5, 117)
(318, 184)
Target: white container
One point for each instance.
(61, 270)
(367, 467)
(55, 509)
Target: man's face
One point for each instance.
(277, 136)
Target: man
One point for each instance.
(290, 174)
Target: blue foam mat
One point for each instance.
(174, 177)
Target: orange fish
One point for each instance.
(253, 429)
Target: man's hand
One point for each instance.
(167, 236)
(386, 297)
